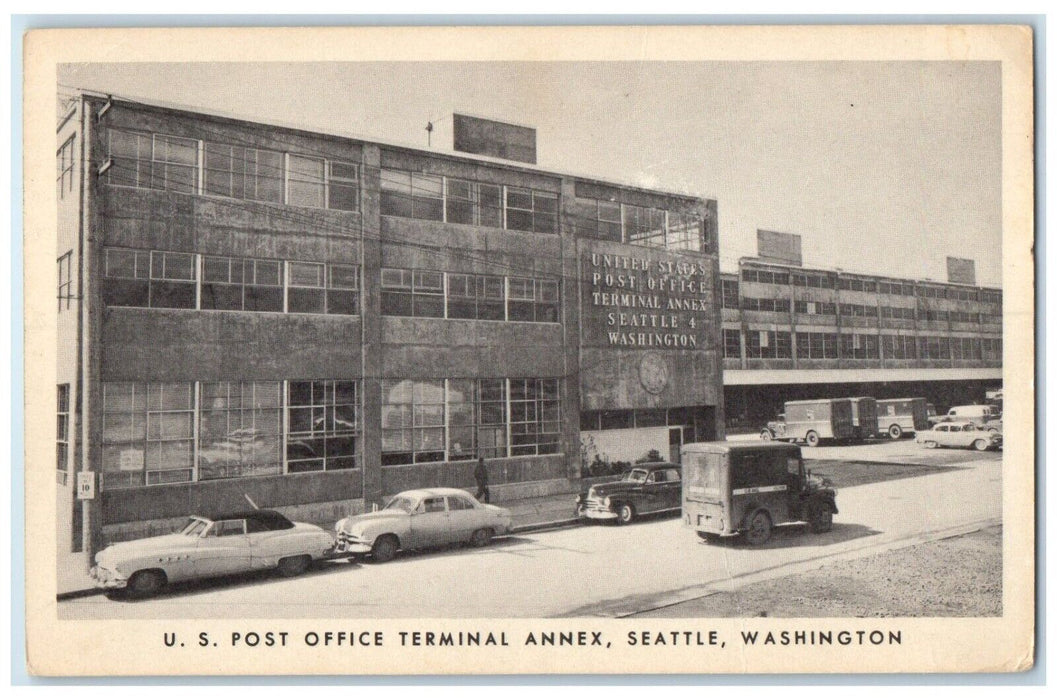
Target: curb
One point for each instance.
(82, 593)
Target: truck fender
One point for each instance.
(750, 510)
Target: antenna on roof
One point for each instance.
(429, 134)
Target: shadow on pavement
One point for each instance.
(797, 535)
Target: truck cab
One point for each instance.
(749, 488)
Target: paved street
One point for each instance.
(597, 570)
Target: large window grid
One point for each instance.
(430, 294)
(815, 308)
(531, 210)
(859, 346)
(157, 161)
(732, 343)
(966, 349)
(159, 279)
(460, 419)
(765, 276)
(474, 203)
(647, 226)
(934, 348)
(858, 310)
(900, 347)
(906, 313)
(768, 345)
(323, 426)
(813, 281)
(181, 432)
(773, 305)
(730, 294)
(817, 346)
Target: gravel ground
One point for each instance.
(955, 577)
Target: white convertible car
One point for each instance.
(207, 547)
(421, 518)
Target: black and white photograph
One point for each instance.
(532, 355)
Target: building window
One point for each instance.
(730, 294)
(476, 203)
(130, 158)
(610, 222)
(148, 433)
(816, 346)
(771, 305)
(239, 430)
(306, 184)
(686, 231)
(316, 288)
(535, 421)
(343, 186)
(531, 210)
(645, 226)
(859, 346)
(532, 300)
(239, 284)
(900, 347)
(243, 173)
(732, 343)
(154, 279)
(768, 345)
(62, 433)
(476, 296)
(65, 280)
(412, 293)
(64, 160)
(477, 421)
(934, 348)
(412, 195)
(175, 164)
(323, 426)
(412, 422)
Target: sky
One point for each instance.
(881, 167)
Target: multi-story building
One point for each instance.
(792, 332)
(314, 322)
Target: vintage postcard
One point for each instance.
(484, 350)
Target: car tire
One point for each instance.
(981, 445)
(384, 549)
(812, 438)
(481, 538)
(821, 517)
(895, 432)
(931, 444)
(759, 528)
(625, 513)
(144, 584)
(766, 435)
(289, 567)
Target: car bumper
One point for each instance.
(346, 545)
(595, 513)
(105, 578)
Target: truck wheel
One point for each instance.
(811, 438)
(293, 566)
(759, 529)
(766, 435)
(625, 513)
(981, 445)
(821, 518)
(895, 432)
(146, 583)
(384, 548)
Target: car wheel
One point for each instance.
(895, 432)
(822, 518)
(759, 530)
(766, 435)
(293, 566)
(981, 445)
(481, 538)
(811, 439)
(384, 548)
(146, 583)
(625, 513)
(931, 444)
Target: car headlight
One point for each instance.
(605, 501)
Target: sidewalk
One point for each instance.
(537, 513)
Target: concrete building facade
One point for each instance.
(316, 322)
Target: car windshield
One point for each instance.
(194, 527)
(636, 476)
(401, 503)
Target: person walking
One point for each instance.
(480, 475)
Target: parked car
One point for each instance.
(747, 488)
(898, 416)
(208, 547)
(812, 422)
(647, 488)
(980, 414)
(418, 519)
(960, 434)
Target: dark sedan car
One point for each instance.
(646, 488)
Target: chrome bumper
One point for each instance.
(347, 545)
(105, 578)
(598, 513)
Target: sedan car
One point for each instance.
(208, 547)
(960, 434)
(648, 488)
(418, 519)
